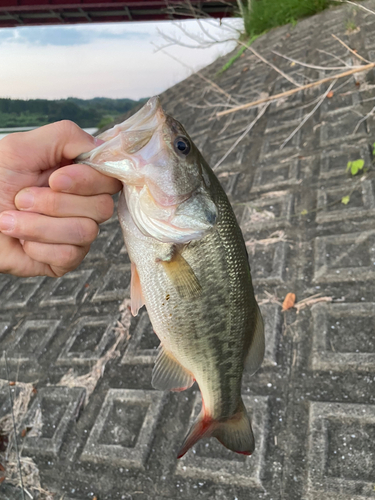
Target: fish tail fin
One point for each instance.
(235, 433)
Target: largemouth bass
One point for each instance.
(189, 267)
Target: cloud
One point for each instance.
(117, 61)
(65, 36)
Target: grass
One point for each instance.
(262, 15)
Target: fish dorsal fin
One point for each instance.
(136, 295)
(169, 375)
(182, 276)
(255, 354)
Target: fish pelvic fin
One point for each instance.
(169, 375)
(235, 433)
(136, 295)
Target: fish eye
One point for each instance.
(182, 145)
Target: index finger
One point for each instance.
(83, 180)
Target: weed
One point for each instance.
(350, 26)
(262, 15)
(355, 166)
(345, 199)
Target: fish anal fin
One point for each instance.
(234, 433)
(203, 427)
(169, 375)
(182, 276)
(255, 353)
(136, 295)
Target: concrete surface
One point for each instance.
(313, 401)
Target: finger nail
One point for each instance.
(7, 222)
(25, 199)
(64, 183)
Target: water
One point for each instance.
(6, 131)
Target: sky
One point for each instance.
(105, 60)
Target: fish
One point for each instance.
(189, 266)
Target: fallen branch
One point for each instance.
(351, 50)
(308, 115)
(294, 91)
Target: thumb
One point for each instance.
(46, 147)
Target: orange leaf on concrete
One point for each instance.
(289, 301)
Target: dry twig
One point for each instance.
(247, 130)
(351, 50)
(370, 113)
(263, 59)
(275, 237)
(13, 462)
(334, 56)
(310, 301)
(271, 299)
(312, 66)
(308, 115)
(207, 80)
(357, 5)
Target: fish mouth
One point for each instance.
(126, 138)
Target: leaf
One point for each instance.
(345, 199)
(373, 149)
(289, 301)
(355, 166)
(304, 212)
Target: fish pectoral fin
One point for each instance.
(255, 353)
(169, 375)
(136, 295)
(182, 276)
(234, 433)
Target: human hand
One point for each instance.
(48, 230)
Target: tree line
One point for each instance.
(95, 112)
